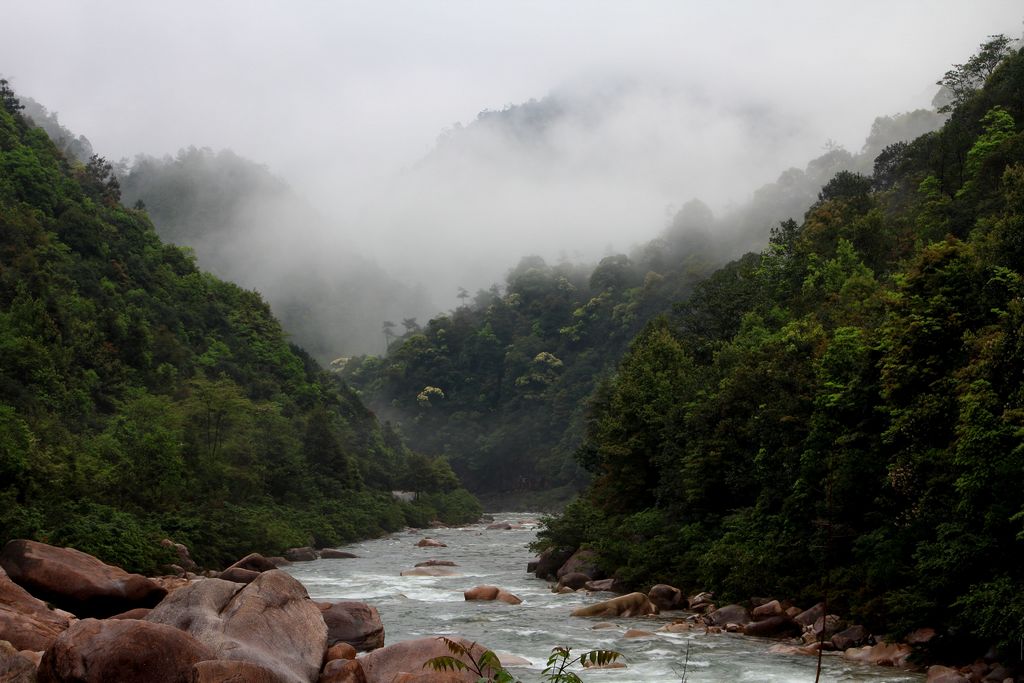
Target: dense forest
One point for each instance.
(141, 397)
(499, 385)
(840, 415)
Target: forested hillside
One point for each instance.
(248, 226)
(141, 397)
(841, 415)
(499, 385)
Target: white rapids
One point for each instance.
(419, 606)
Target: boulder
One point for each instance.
(581, 562)
(944, 674)
(15, 667)
(637, 633)
(631, 605)
(26, 622)
(254, 562)
(854, 636)
(550, 561)
(772, 608)
(430, 571)
(808, 617)
(123, 650)
(793, 612)
(701, 600)
(270, 622)
(340, 650)
(182, 557)
(231, 671)
(137, 613)
(779, 626)
(575, 580)
(491, 593)
(666, 597)
(304, 554)
(352, 622)
(430, 543)
(76, 581)
(783, 649)
(408, 657)
(278, 561)
(920, 636)
(830, 624)
(332, 554)
(884, 654)
(499, 526)
(436, 563)
(342, 671)
(531, 566)
(238, 575)
(610, 585)
(730, 614)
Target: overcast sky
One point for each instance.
(339, 97)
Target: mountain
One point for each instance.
(248, 226)
(840, 415)
(499, 386)
(143, 398)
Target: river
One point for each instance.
(414, 607)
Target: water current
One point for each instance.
(417, 606)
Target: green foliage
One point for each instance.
(842, 412)
(141, 398)
(486, 665)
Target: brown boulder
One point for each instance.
(304, 554)
(238, 575)
(270, 622)
(491, 593)
(499, 526)
(182, 557)
(944, 674)
(598, 585)
(429, 571)
(666, 597)
(340, 650)
(14, 666)
(408, 657)
(123, 650)
(730, 614)
(637, 633)
(855, 636)
(436, 563)
(808, 617)
(773, 627)
(574, 580)
(631, 605)
(342, 671)
(137, 613)
(76, 581)
(430, 543)
(332, 554)
(352, 622)
(26, 622)
(550, 561)
(231, 671)
(580, 562)
(772, 608)
(700, 601)
(884, 654)
(254, 562)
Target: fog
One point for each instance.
(370, 111)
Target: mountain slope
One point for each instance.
(141, 397)
(840, 415)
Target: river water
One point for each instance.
(415, 607)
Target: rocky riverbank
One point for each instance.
(66, 616)
(800, 631)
